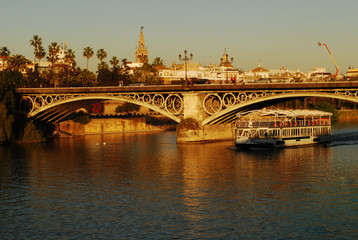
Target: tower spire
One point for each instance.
(141, 53)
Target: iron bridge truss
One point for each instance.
(219, 106)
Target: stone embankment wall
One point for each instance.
(109, 125)
(190, 130)
(207, 133)
(348, 116)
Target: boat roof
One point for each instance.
(285, 113)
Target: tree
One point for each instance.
(158, 62)
(102, 65)
(152, 80)
(6, 122)
(39, 51)
(18, 63)
(34, 79)
(147, 69)
(53, 51)
(69, 59)
(114, 62)
(87, 78)
(125, 66)
(4, 54)
(88, 53)
(13, 77)
(36, 42)
(127, 107)
(101, 54)
(327, 107)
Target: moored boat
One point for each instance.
(282, 128)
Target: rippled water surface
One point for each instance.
(145, 186)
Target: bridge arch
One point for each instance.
(61, 109)
(214, 104)
(229, 114)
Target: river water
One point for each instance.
(145, 186)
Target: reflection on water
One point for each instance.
(126, 186)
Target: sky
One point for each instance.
(275, 33)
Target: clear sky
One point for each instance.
(275, 32)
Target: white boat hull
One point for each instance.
(281, 142)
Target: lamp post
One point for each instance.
(186, 59)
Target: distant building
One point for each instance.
(260, 72)
(132, 66)
(319, 73)
(141, 53)
(224, 73)
(285, 75)
(43, 66)
(352, 72)
(225, 63)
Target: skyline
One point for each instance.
(276, 33)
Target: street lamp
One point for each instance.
(185, 59)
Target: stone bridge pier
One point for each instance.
(191, 128)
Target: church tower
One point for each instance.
(225, 61)
(141, 53)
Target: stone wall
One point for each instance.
(109, 125)
(191, 132)
(348, 116)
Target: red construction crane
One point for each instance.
(320, 44)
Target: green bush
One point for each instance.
(327, 107)
(81, 117)
(127, 107)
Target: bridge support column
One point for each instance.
(190, 129)
(193, 106)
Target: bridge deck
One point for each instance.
(195, 88)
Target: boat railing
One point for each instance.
(282, 124)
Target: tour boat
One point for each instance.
(282, 128)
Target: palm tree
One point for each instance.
(88, 53)
(36, 42)
(53, 51)
(114, 62)
(125, 66)
(158, 61)
(101, 54)
(69, 58)
(87, 78)
(40, 54)
(18, 62)
(102, 66)
(4, 54)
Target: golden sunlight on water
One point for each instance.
(140, 185)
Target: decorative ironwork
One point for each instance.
(169, 102)
(215, 103)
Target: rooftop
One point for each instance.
(285, 113)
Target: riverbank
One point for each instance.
(140, 124)
(109, 125)
(348, 116)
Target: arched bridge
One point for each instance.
(209, 104)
